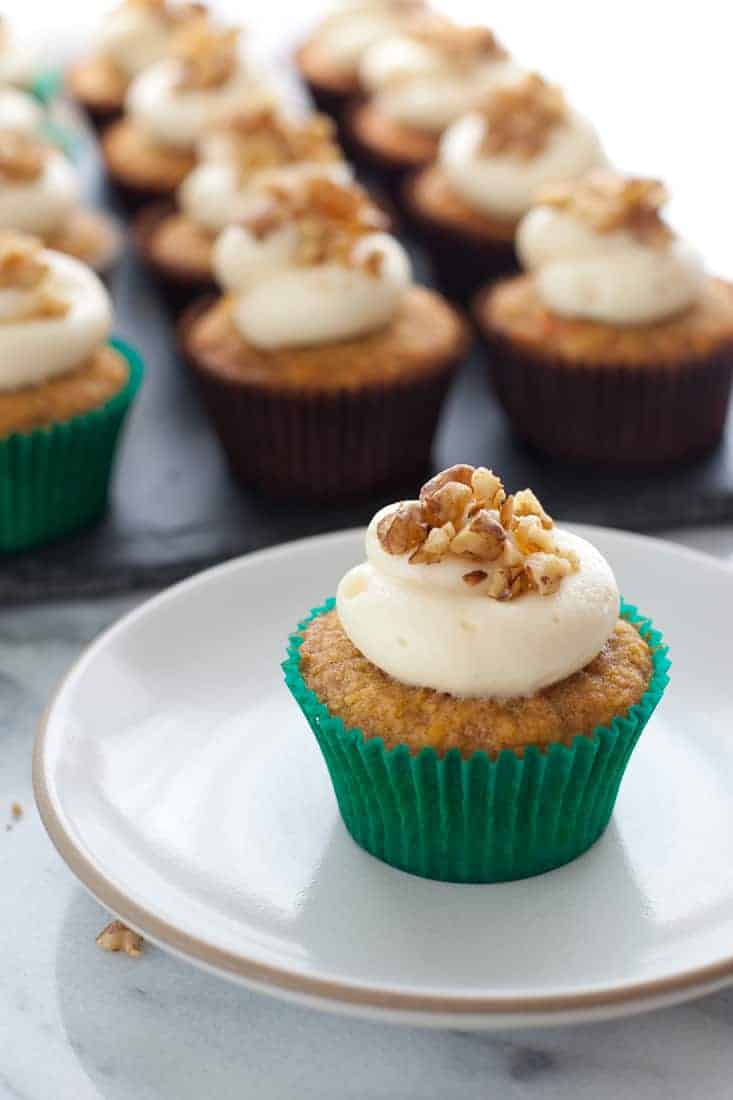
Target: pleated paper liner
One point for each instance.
(478, 819)
(635, 416)
(55, 480)
(47, 85)
(329, 444)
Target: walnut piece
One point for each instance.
(118, 937)
(16, 811)
(465, 513)
(208, 56)
(23, 268)
(607, 201)
(459, 44)
(520, 116)
(263, 139)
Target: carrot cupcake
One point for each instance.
(171, 105)
(476, 687)
(491, 163)
(64, 393)
(615, 346)
(40, 194)
(323, 368)
(133, 36)
(418, 83)
(18, 63)
(239, 156)
(328, 62)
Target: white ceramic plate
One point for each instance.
(180, 783)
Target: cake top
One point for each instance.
(209, 55)
(330, 218)
(507, 542)
(520, 116)
(607, 201)
(22, 157)
(25, 269)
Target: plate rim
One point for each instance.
(330, 993)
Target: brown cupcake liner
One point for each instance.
(322, 445)
(177, 288)
(610, 414)
(98, 117)
(461, 262)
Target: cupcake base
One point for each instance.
(140, 172)
(180, 277)
(331, 90)
(89, 236)
(99, 90)
(288, 430)
(55, 480)
(476, 819)
(386, 148)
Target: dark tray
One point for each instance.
(175, 509)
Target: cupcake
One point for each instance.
(236, 158)
(323, 368)
(64, 392)
(418, 83)
(476, 687)
(133, 36)
(171, 105)
(40, 194)
(18, 64)
(328, 62)
(491, 163)
(615, 347)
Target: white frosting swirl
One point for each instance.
(609, 277)
(134, 36)
(17, 61)
(33, 350)
(504, 185)
(415, 84)
(281, 304)
(40, 206)
(350, 30)
(179, 116)
(19, 112)
(214, 196)
(422, 625)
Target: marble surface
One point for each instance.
(78, 1024)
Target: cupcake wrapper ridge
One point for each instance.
(55, 480)
(477, 819)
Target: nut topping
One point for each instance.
(463, 45)
(521, 115)
(465, 512)
(21, 157)
(23, 268)
(208, 55)
(118, 937)
(608, 202)
(264, 139)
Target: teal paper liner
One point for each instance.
(478, 819)
(46, 85)
(55, 480)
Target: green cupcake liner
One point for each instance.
(478, 819)
(46, 85)
(55, 480)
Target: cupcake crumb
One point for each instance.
(116, 936)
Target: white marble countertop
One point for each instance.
(78, 1024)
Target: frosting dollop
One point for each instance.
(17, 61)
(251, 150)
(598, 249)
(54, 312)
(522, 137)
(350, 29)
(135, 35)
(176, 99)
(19, 112)
(431, 76)
(310, 265)
(429, 620)
(39, 188)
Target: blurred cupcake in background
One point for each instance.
(491, 163)
(134, 35)
(40, 194)
(241, 154)
(615, 347)
(65, 390)
(171, 105)
(19, 64)
(322, 366)
(328, 62)
(418, 83)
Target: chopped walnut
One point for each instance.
(208, 55)
(465, 513)
(118, 937)
(263, 139)
(521, 115)
(608, 202)
(463, 45)
(22, 267)
(16, 811)
(331, 219)
(21, 157)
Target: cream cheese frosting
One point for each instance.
(134, 36)
(417, 82)
(308, 277)
(19, 112)
(17, 61)
(502, 179)
(52, 319)
(425, 626)
(615, 274)
(351, 29)
(39, 205)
